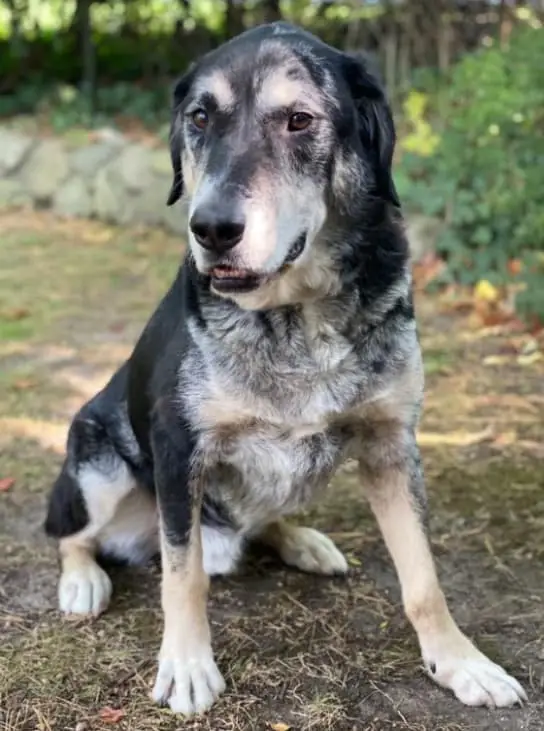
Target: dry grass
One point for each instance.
(312, 653)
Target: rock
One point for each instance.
(13, 193)
(175, 218)
(111, 202)
(73, 198)
(13, 149)
(45, 169)
(151, 203)
(422, 234)
(134, 168)
(161, 163)
(88, 160)
(110, 135)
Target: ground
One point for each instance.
(298, 651)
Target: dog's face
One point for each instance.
(272, 135)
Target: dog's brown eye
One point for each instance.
(200, 118)
(299, 121)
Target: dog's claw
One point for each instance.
(476, 680)
(189, 685)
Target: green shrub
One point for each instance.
(484, 175)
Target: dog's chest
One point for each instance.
(270, 419)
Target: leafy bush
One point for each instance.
(484, 174)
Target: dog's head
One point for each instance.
(274, 135)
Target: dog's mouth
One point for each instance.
(225, 278)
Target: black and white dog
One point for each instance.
(286, 344)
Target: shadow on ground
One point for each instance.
(307, 652)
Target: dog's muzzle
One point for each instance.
(225, 278)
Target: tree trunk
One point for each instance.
(83, 26)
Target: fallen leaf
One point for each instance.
(354, 561)
(514, 266)
(6, 483)
(455, 439)
(17, 313)
(280, 727)
(486, 292)
(111, 715)
(505, 439)
(22, 384)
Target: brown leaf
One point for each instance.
(514, 266)
(505, 439)
(6, 483)
(111, 715)
(280, 726)
(16, 313)
(22, 384)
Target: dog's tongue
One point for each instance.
(230, 273)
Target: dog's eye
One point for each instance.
(299, 121)
(200, 118)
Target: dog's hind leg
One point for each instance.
(96, 507)
(304, 548)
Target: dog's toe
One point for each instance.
(309, 550)
(188, 685)
(85, 591)
(476, 680)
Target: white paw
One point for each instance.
(309, 550)
(475, 680)
(86, 589)
(190, 683)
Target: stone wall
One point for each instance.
(116, 181)
(111, 179)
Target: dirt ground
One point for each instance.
(298, 652)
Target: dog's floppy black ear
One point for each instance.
(180, 90)
(375, 121)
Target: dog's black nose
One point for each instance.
(216, 231)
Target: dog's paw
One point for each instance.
(311, 551)
(84, 590)
(189, 683)
(475, 680)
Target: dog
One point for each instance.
(286, 345)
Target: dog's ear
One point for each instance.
(181, 87)
(376, 128)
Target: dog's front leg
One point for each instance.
(394, 479)
(188, 678)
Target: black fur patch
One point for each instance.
(67, 512)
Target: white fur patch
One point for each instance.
(309, 550)
(85, 589)
(132, 534)
(221, 550)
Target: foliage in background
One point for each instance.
(481, 168)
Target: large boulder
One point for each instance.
(13, 193)
(13, 150)
(175, 218)
(111, 201)
(133, 166)
(87, 161)
(73, 198)
(45, 169)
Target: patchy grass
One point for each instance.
(309, 652)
